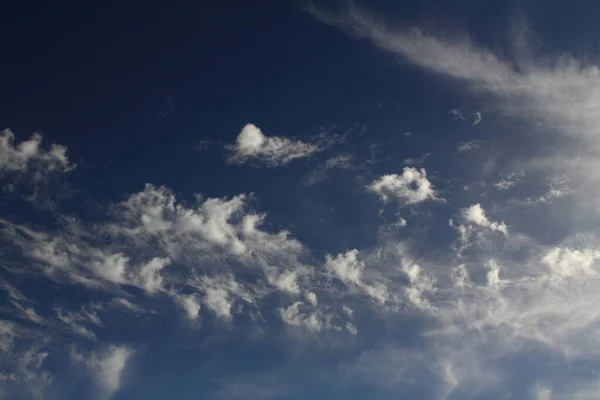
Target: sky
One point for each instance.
(295, 199)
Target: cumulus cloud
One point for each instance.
(412, 187)
(253, 144)
(476, 214)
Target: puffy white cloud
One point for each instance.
(347, 267)
(411, 187)
(567, 262)
(106, 366)
(252, 144)
(476, 215)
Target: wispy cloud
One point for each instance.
(469, 146)
(105, 366)
(476, 116)
(562, 95)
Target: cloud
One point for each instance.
(310, 320)
(29, 156)
(469, 146)
(452, 320)
(350, 270)
(416, 161)
(508, 181)
(252, 144)
(190, 305)
(32, 171)
(320, 174)
(412, 187)
(106, 367)
(556, 97)
(476, 116)
(216, 245)
(76, 321)
(7, 335)
(220, 293)
(476, 215)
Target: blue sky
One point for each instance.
(290, 200)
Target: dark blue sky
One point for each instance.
(383, 200)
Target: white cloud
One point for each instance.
(568, 263)
(252, 144)
(7, 335)
(221, 293)
(349, 269)
(106, 366)
(30, 156)
(411, 187)
(419, 285)
(311, 297)
(149, 274)
(476, 214)
(477, 118)
(310, 320)
(190, 304)
(76, 321)
(508, 181)
(557, 97)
